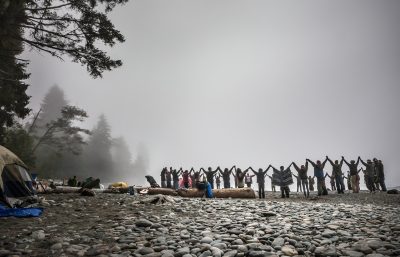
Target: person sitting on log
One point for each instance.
(283, 178)
(260, 175)
(302, 173)
(226, 176)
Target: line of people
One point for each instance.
(374, 177)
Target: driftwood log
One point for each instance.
(68, 190)
(162, 191)
(234, 193)
(220, 193)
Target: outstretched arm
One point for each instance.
(233, 167)
(330, 161)
(296, 167)
(364, 163)
(324, 162)
(343, 159)
(274, 169)
(266, 170)
(312, 163)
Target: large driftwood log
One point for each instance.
(234, 193)
(220, 193)
(162, 191)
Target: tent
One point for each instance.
(15, 181)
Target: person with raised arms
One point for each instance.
(302, 174)
(337, 174)
(319, 174)
(260, 175)
(353, 168)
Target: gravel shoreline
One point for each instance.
(361, 224)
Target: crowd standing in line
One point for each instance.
(374, 177)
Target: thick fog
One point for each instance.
(208, 83)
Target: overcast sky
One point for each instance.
(246, 82)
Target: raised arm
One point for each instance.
(312, 163)
(266, 170)
(275, 169)
(324, 162)
(296, 167)
(364, 163)
(306, 165)
(330, 161)
(233, 167)
(344, 160)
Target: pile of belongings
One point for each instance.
(16, 187)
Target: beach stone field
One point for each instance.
(114, 225)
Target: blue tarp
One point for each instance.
(20, 212)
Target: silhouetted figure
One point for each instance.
(175, 177)
(302, 175)
(283, 178)
(319, 174)
(260, 175)
(337, 174)
(272, 184)
(168, 176)
(226, 176)
(185, 179)
(248, 180)
(311, 181)
(164, 177)
(331, 181)
(353, 167)
(379, 170)
(240, 177)
(369, 172)
(218, 181)
(210, 175)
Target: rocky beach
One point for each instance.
(114, 225)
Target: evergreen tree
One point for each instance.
(122, 159)
(140, 166)
(97, 155)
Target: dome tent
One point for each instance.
(15, 181)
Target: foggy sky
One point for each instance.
(207, 83)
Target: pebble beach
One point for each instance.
(116, 225)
